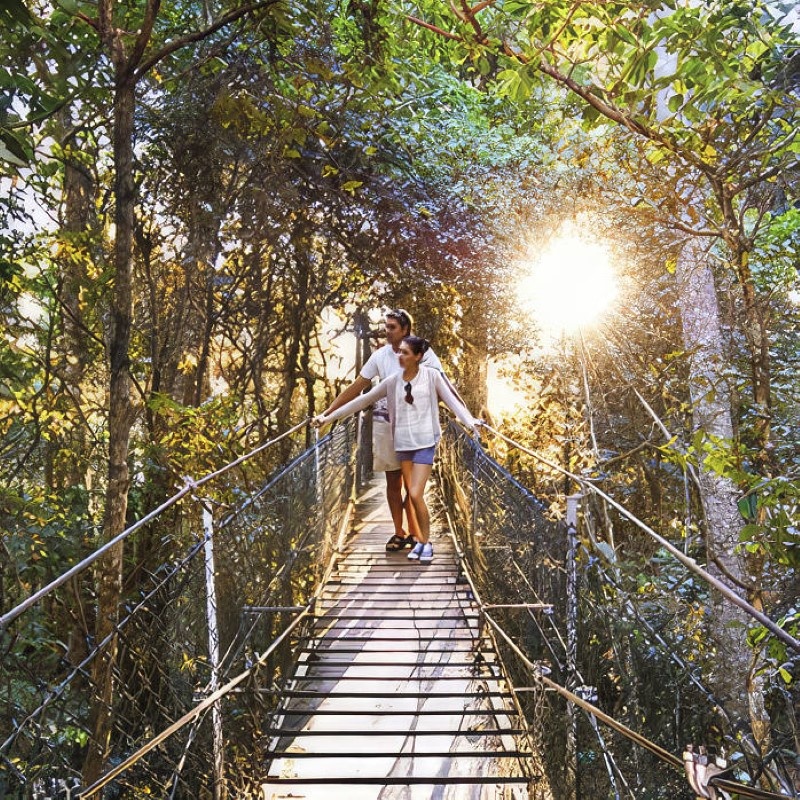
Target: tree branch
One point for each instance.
(760, 178)
(467, 15)
(682, 226)
(198, 36)
(623, 456)
(144, 33)
(485, 4)
(604, 108)
(90, 21)
(422, 24)
(613, 113)
(747, 587)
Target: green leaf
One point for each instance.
(514, 84)
(675, 103)
(12, 150)
(14, 11)
(747, 506)
(623, 33)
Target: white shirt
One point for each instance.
(385, 362)
(413, 426)
(411, 431)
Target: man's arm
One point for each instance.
(348, 394)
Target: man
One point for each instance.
(382, 363)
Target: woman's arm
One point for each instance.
(362, 401)
(452, 402)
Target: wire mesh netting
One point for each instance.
(581, 621)
(520, 556)
(516, 555)
(170, 650)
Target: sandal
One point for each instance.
(399, 543)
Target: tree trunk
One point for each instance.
(299, 328)
(732, 678)
(754, 325)
(78, 226)
(476, 364)
(201, 253)
(755, 331)
(109, 569)
(79, 223)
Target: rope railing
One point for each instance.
(81, 668)
(175, 695)
(189, 656)
(301, 614)
(661, 753)
(688, 562)
(535, 670)
(199, 709)
(190, 485)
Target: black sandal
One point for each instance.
(399, 543)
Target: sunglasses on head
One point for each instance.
(409, 398)
(401, 317)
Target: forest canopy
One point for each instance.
(192, 191)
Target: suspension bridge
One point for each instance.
(397, 684)
(270, 647)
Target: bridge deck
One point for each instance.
(397, 694)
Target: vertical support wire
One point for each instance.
(213, 653)
(319, 489)
(572, 641)
(475, 485)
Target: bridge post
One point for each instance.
(213, 653)
(572, 643)
(364, 425)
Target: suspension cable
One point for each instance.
(117, 629)
(657, 750)
(462, 558)
(720, 781)
(690, 563)
(188, 487)
(666, 646)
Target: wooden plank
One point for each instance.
(395, 685)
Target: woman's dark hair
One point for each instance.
(417, 344)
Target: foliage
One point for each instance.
(775, 260)
(312, 158)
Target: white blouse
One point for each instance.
(414, 425)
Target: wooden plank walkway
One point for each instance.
(397, 694)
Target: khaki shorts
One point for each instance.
(383, 455)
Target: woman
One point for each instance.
(413, 397)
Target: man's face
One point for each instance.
(394, 332)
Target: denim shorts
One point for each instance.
(422, 456)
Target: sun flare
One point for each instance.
(568, 285)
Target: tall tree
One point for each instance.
(132, 57)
